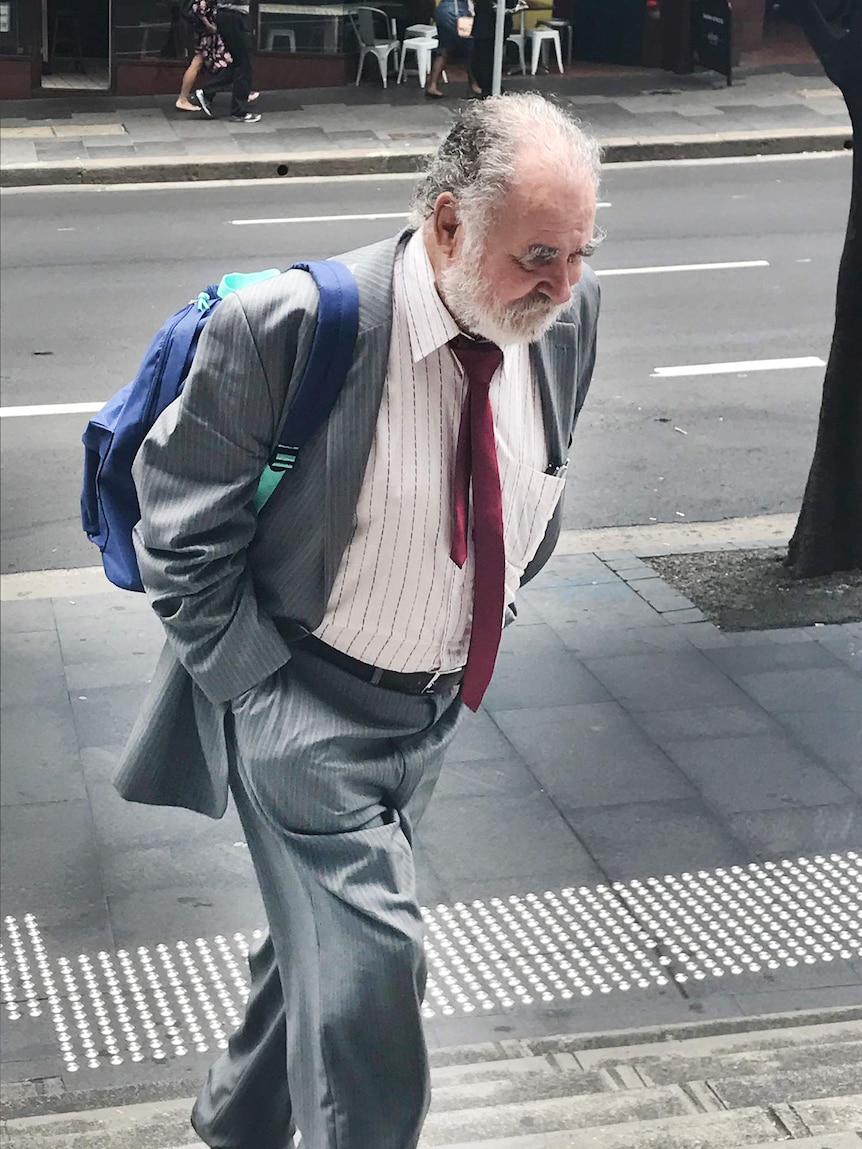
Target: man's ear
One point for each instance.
(445, 224)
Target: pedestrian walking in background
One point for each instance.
(452, 46)
(231, 21)
(210, 53)
(319, 657)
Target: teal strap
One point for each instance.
(269, 480)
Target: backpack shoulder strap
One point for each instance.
(329, 360)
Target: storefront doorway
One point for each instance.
(75, 45)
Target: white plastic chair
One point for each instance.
(369, 42)
(518, 39)
(423, 47)
(561, 26)
(539, 37)
(279, 32)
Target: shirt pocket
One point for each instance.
(529, 500)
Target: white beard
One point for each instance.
(470, 299)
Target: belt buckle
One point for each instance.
(429, 685)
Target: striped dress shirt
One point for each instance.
(399, 602)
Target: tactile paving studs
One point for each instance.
(498, 954)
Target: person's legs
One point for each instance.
(482, 66)
(232, 29)
(335, 1003)
(438, 65)
(216, 82)
(246, 1101)
(189, 78)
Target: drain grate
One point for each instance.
(160, 1002)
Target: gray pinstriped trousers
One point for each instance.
(329, 775)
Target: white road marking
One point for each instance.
(50, 409)
(318, 218)
(742, 263)
(330, 218)
(744, 365)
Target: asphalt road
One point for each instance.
(88, 275)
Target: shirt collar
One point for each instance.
(429, 323)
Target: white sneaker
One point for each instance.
(248, 118)
(203, 102)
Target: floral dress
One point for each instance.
(208, 44)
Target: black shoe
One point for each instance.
(248, 118)
(203, 103)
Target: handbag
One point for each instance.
(464, 24)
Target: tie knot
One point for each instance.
(479, 357)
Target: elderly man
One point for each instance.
(319, 658)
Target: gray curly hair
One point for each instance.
(478, 159)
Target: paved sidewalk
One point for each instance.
(638, 113)
(648, 822)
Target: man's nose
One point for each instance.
(560, 280)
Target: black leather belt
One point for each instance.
(412, 682)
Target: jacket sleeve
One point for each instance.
(196, 475)
(590, 301)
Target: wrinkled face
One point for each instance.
(511, 284)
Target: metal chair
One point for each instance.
(365, 27)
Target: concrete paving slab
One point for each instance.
(606, 606)
(22, 616)
(125, 825)
(825, 1115)
(39, 842)
(755, 772)
(592, 755)
(39, 748)
(664, 681)
(587, 641)
(777, 833)
(815, 689)
(835, 738)
(478, 739)
(165, 865)
(652, 838)
(183, 913)
(493, 779)
(547, 854)
(666, 726)
(104, 717)
(546, 678)
(32, 669)
(739, 662)
(135, 669)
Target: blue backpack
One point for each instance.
(109, 501)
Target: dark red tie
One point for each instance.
(476, 460)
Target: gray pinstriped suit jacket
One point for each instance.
(216, 575)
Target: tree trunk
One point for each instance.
(828, 534)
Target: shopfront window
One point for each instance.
(304, 26)
(13, 36)
(149, 29)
